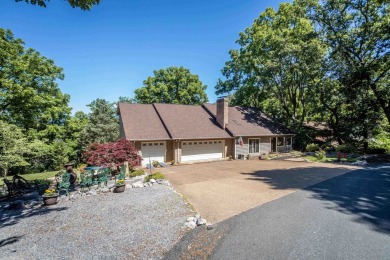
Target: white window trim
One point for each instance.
(249, 145)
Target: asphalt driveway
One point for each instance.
(220, 190)
(346, 217)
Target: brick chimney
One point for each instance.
(222, 112)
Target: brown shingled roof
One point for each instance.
(189, 122)
(141, 122)
(246, 121)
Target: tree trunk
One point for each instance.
(5, 172)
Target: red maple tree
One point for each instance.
(114, 153)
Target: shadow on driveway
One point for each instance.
(364, 194)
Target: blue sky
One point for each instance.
(108, 51)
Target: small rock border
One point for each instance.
(196, 221)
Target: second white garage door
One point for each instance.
(153, 150)
(201, 150)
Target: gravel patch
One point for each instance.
(139, 223)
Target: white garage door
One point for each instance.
(201, 150)
(153, 150)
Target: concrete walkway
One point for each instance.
(220, 190)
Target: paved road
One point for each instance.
(346, 217)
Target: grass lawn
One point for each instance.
(313, 158)
(34, 176)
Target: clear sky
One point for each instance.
(108, 52)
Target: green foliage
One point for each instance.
(84, 5)
(125, 100)
(380, 144)
(102, 126)
(172, 85)
(137, 173)
(277, 66)
(155, 164)
(60, 152)
(321, 154)
(13, 147)
(346, 148)
(312, 147)
(156, 176)
(29, 93)
(41, 177)
(324, 61)
(354, 32)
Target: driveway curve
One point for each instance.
(220, 190)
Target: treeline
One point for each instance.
(37, 130)
(306, 62)
(312, 61)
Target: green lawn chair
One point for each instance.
(86, 179)
(102, 176)
(64, 183)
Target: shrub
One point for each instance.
(137, 173)
(320, 154)
(114, 153)
(156, 176)
(155, 164)
(380, 145)
(312, 147)
(345, 148)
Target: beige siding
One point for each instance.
(229, 147)
(265, 145)
(170, 152)
(244, 149)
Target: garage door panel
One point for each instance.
(153, 150)
(195, 150)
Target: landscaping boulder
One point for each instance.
(191, 219)
(201, 222)
(190, 224)
(138, 185)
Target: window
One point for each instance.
(288, 140)
(254, 145)
(280, 141)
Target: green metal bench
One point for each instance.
(64, 183)
(86, 179)
(102, 176)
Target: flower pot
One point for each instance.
(50, 200)
(120, 188)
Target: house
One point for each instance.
(186, 133)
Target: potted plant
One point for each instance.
(50, 197)
(120, 186)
